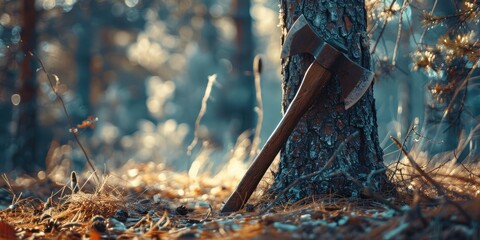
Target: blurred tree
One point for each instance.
(85, 43)
(87, 29)
(391, 25)
(86, 36)
(449, 56)
(240, 90)
(25, 155)
(316, 138)
(9, 32)
(224, 47)
(6, 107)
(203, 56)
(440, 38)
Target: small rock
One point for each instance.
(249, 207)
(306, 217)
(203, 204)
(188, 235)
(342, 220)
(151, 213)
(285, 227)
(157, 198)
(182, 210)
(98, 224)
(115, 225)
(52, 225)
(12, 206)
(97, 218)
(121, 215)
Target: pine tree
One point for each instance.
(326, 126)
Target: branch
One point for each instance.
(384, 25)
(203, 109)
(257, 69)
(429, 179)
(418, 168)
(369, 192)
(73, 129)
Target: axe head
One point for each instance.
(353, 78)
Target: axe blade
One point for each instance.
(300, 39)
(354, 79)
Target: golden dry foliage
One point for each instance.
(150, 201)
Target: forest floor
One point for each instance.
(149, 201)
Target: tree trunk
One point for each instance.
(7, 88)
(25, 155)
(315, 138)
(86, 35)
(241, 98)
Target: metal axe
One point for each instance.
(330, 59)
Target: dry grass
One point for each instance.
(436, 199)
(167, 204)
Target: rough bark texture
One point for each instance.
(326, 125)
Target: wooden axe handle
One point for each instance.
(313, 81)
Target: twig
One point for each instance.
(257, 69)
(209, 213)
(469, 171)
(157, 223)
(418, 168)
(460, 178)
(463, 86)
(369, 192)
(73, 129)
(384, 25)
(293, 184)
(400, 154)
(10, 189)
(429, 179)
(203, 109)
(399, 32)
(425, 29)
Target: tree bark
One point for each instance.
(315, 138)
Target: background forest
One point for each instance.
(136, 71)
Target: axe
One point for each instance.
(330, 59)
